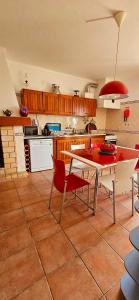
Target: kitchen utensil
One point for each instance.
(7, 112)
(89, 127)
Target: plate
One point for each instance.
(107, 153)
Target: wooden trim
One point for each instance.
(14, 121)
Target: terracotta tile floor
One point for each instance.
(81, 259)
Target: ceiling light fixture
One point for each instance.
(114, 90)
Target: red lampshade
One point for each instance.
(113, 90)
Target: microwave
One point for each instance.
(30, 130)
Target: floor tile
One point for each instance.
(22, 182)
(105, 265)
(119, 241)
(7, 185)
(39, 291)
(115, 293)
(44, 227)
(36, 210)
(82, 235)
(26, 190)
(70, 217)
(14, 240)
(73, 281)
(18, 272)
(12, 219)
(55, 251)
(8, 194)
(9, 202)
(29, 198)
(131, 223)
(101, 221)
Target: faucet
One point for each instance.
(73, 130)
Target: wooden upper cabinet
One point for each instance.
(65, 105)
(91, 105)
(57, 104)
(84, 106)
(50, 101)
(33, 100)
(77, 106)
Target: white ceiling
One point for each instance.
(53, 34)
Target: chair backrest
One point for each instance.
(123, 173)
(79, 146)
(95, 146)
(59, 174)
(137, 165)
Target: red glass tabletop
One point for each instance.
(96, 156)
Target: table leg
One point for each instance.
(70, 165)
(96, 190)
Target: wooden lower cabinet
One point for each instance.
(99, 139)
(65, 144)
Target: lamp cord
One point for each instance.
(117, 50)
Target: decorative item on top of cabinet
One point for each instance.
(32, 100)
(55, 88)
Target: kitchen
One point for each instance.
(83, 257)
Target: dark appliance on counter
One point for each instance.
(111, 138)
(90, 126)
(51, 127)
(30, 130)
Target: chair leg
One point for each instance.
(113, 200)
(50, 199)
(96, 191)
(138, 183)
(88, 202)
(62, 202)
(132, 196)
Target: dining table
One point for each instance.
(99, 160)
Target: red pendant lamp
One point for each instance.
(114, 90)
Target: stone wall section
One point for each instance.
(9, 154)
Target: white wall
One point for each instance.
(8, 98)
(42, 79)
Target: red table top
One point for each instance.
(94, 155)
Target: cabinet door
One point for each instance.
(91, 107)
(50, 102)
(84, 106)
(78, 106)
(33, 100)
(97, 140)
(65, 144)
(65, 105)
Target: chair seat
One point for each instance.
(74, 182)
(106, 180)
(80, 165)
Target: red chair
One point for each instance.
(66, 183)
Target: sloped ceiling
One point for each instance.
(53, 34)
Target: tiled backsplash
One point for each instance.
(73, 122)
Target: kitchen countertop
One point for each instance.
(30, 137)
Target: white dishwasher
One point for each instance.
(41, 151)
